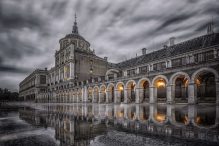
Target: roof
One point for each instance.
(177, 49)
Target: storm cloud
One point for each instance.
(30, 29)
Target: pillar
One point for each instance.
(192, 113)
(137, 95)
(85, 94)
(107, 96)
(192, 99)
(137, 108)
(170, 93)
(170, 112)
(151, 92)
(126, 95)
(217, 92)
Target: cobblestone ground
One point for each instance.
(116, 138)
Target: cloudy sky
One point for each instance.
(30, 29)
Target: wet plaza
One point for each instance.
(33, 124)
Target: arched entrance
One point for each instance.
(102, 94)
(90, 97)
(205, 87)
(144, 85)
(160, 83)
(179, 82)
(96, 94)
(120, 92)
(130, 89)
(110, 92)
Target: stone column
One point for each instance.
(137, 116)
(126, 95)
(137, 96)
(192, 99)
(192, 113)
(152, 111)
(217, 92)
(217, 115)
(85, 94)
(115, 96)
(100, 97)
(170, 93)
(107, 96)
(170, 112)
(77, 96)
(151, 92)
(126, 111)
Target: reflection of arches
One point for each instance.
(144, 113)
(130, 89)
(160, 115)
(131, 113)
(102, 96)
(120, 92)
(159, 83)
(90, 97)
(143, 87)
(205, 117)
(110, 92)
(96, 94)
(205, 84)
(180, 81)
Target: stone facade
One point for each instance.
(33, 85)
(187, 72)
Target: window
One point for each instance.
(42, 79)
(131, 72)
(205, 56)
(209, 55)
(143, 69)
(159, 66)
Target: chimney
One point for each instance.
(210, 28)
(172, 41)
(105, 58)
(144, 51)
(46, 69)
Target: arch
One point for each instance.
(179, 82)
(120, 92)
(111, 70)
(177, 74)
(143, 89)
(205, 85)
(111, 74)
(130, 91)
(89, 94)
(160, 83)
(205, 69)
(157, 77)
(102, 96)
(110, 92)
(95, 94)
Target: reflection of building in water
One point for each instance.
(69, 129)
(80, 124)
(185, 72)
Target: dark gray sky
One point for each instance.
(30, 29)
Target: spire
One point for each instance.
(75, 27)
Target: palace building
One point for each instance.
(186, 72)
